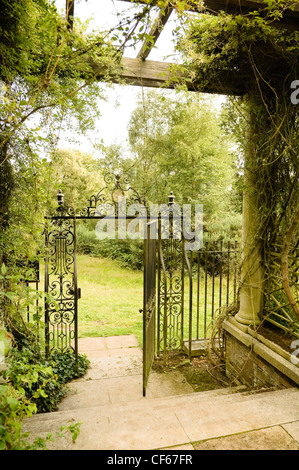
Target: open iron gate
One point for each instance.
(61, 312)
(149, 305)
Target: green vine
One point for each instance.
(247, 53)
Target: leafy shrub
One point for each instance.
(13, 406)
(34, 378)
(128, 253)
(64, 366)
(34, 384)
(40, 380)
(86, 240)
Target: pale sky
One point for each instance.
(112, 127)
(113, 124)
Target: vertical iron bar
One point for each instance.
(46, 281)
(183, 296)
(159, 288)
(228, 273)
(190, 308)
(220, 274)
(36, 304)
(235, 271)
(165, 245)
(206, 290)
(75, 295)
(28, 310)
(197, 298)
(144, 362)
(145, 299)
(214, 255)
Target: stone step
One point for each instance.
(169, 421)
(114, 415)
(214, 398)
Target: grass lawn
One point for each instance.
(111, 298)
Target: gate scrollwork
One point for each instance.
(60, 284)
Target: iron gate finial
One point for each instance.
(171, 198)
(60, 197)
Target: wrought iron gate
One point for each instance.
(192, 287)
(149, 305)
(173, 314)
(62, 292)
(171, 266)
(61, 319)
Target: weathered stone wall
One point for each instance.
(253, 363)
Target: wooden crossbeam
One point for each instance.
(70, 13)
(155, 31)
(147, 73)
(158, 74)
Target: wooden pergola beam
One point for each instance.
(156, 74)
(70, 13)
(290, 19)
(155, 31)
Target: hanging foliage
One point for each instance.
(246, 52)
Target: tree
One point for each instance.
(77, 175)
(47, 82)
(48, 71)
(178, 146)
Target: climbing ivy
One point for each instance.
(247, 53)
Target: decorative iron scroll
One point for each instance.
(100, 204)
(60, 284)
(116, 187)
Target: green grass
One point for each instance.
(111, 298)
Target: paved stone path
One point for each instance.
(108, 402)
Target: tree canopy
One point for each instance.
(47, 83)
(176, 143)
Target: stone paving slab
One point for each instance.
(274, 438)
(96, 348)
(251, 412)
(146, 425)
(113, 366)
(118, 378)
(114, 415)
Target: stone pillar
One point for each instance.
(252, 272)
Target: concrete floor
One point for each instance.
(108, 402)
